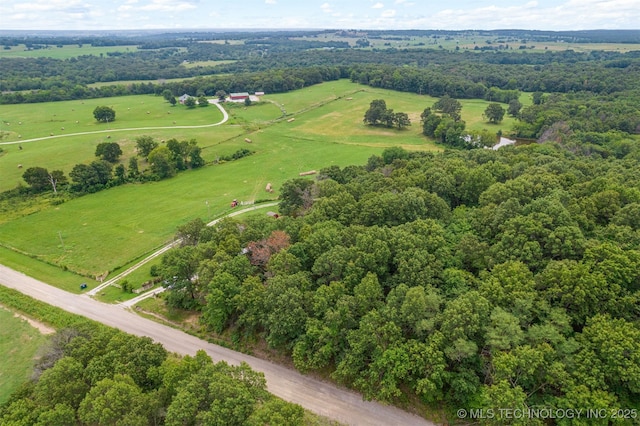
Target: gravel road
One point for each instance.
(317, 396)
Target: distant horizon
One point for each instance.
(267, 15)
(258, 30)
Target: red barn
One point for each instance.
(238, 96)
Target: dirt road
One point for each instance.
(225, 118)
(317, 396)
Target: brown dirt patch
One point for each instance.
(41, 327)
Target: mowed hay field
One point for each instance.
(107, 230)
(63, 52)
(76, 133)
(19, 343)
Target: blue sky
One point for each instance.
(343, 14)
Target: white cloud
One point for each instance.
(167, 6)
(270, 2)
(326, 8)
(377, 6)
(390, 13)
(529, 14)
(50, 5)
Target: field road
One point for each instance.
(225, 118)
(315, 395)
(163, 250)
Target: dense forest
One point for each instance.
(94, 375)
(472, 278)
(555, 72)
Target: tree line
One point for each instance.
(162, 161)
(462, 74)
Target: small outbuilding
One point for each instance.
(183, 98)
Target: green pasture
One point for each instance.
(472, 111)
(130, 82)
(19, 343)
(197, 64)
(108, 230)
(340, 121)
(298, 101)
(232, 42)
(19, 124)
(64, 153)
(46, 272)
(63, 52)
(254, 116)
(104, 231)
(470, 41)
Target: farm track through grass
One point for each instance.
(19, 343)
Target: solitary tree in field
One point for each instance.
(104, 114)
(494, 113)
(190, 102)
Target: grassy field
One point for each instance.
(19, 343)
(51, 274)
(64, 52)
(130, 82)
(196, 64)
(108, 230)
(470, 41)
(20, 123)
(26, 121)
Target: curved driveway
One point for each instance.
(225, 118)
(315, 395)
